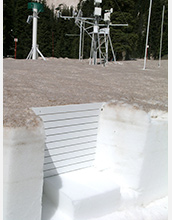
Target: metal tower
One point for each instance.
(36, 8)
(99, 33)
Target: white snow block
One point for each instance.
(134, 145)
(23, 172)
(83, 194)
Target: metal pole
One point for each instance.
(91, 51)
(34, 35)
(95, 32)
(80, 40)
(52, 44)
(82, 54)
(15, 49)
(147, 33)
(159, 64)
(95, 49)
(106, 46)
(99, 46)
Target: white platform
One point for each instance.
(83, 194)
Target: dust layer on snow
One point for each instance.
(39, 83)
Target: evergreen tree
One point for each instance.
(155, 28)
(142, 10)
(124, 39)
(165, 30)
(88, 11)
(87, 8)
(45, 29)
(21, 29)
(8, 22)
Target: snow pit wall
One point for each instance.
(23, 172)
(134, 145)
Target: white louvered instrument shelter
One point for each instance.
(71, 136)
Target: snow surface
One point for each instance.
(53, 82)
(157, 210)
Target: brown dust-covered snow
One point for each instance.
(38, 83)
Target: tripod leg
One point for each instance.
(91, 51)
(99, 46)
(82, 54)
(40, 54)
(30, 54)
(114, 57)
(106, 43)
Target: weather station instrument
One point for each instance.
(36, 8)
(98, 32)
